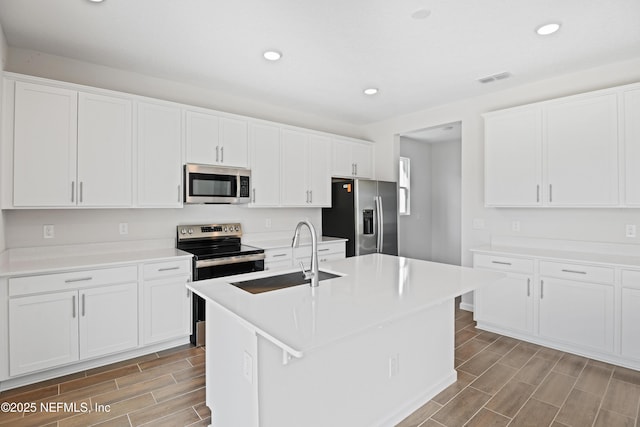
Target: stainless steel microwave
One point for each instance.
(213, 184)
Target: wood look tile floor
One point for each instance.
(506, 382)
(501, 382)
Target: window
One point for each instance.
(404, 181)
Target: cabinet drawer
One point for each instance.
(631, 279)
(166, 269)
(73, 280)
(502, 263)
(277, 255)
(579, 272)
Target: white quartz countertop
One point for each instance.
(21, 263)
(374, 290)
(622, 260)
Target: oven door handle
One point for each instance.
(229, 260)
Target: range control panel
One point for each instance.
(203, 231)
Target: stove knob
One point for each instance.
(237, 228)
(183, 231)
(225, 228)
(190, 231)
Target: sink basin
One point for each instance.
(280, 281)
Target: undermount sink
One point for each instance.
(279, 281)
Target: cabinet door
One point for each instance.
(342, 161)
(234, 143)
(582, 152)
(319, 158)
(576, 313)
(513, 158)
(159, 156)
(295, 190)
(507, 303)
(45, 142)
(631, 323)
(43, 331)
(632, 146)
(108, 319)
(203, 138)
(265, 165)
(167, 309)
(361, 155)
(104, 151)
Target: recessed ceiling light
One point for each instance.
(421, 14)
(370, 91)
(96, 1)
(547, 29)
(272, 55)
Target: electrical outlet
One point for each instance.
(267, 223)
(515, 226)
(630, 230)
(124, 228)
(478, 224)
(394, 365)
(48, 231)
(247, 367)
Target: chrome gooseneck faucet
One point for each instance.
(313, 273)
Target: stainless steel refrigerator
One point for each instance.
(366, 213)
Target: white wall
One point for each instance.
(414, 238)
(571, 224)
(432, 231)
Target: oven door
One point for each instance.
(209, 184)
(214, 270)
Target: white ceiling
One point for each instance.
(332, 49)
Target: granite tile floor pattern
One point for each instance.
(501, 382)
(506, 382)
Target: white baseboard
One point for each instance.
(466, 306)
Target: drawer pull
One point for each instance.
(80, 279)
(501, 262)
(83, 305)
(323, 250)
(169, 268)
(73, 306)
(279, 255)
(528, 287)
(574, 271)
(541, 289)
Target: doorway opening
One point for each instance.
(430, 227)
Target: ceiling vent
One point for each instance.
(495, 77)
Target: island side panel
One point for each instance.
(231, 363)
(375, 378)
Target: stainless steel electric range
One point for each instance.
(217, 252)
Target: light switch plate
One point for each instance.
(630, 230)
(48, 231)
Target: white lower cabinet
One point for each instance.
(507, 303)
(43, 331)
(630, 318)
(577, 313)
(327, 251)
(166, 301)
(278, 258)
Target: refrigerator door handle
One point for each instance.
(380, 228)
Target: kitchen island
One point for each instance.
(366, 348)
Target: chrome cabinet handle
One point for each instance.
(538, 193)
(80, 199)
(353, 168)
(217, 153)
(307, 196)
(80, 279)
(501, 262)
(221, 154)
(356, 169)
(574, 271)
(310, 196)
(254, 195)
(179, 194)
(550, 193)
(528, 287)
(323, 250)
(73, 306)
(279, 255)
(83, 304)
(169, 268)
(73, 191)
(541, 289)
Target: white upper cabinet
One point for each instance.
(104, 151)
(71, 149)
(45, 146)
(632, 146)
(305, 169)
(513, 158)
(582, 152)
(560, 153)
(265, 164)
(214, 140)
(351, 159)
(159, 143)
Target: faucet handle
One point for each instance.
(308, 274)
